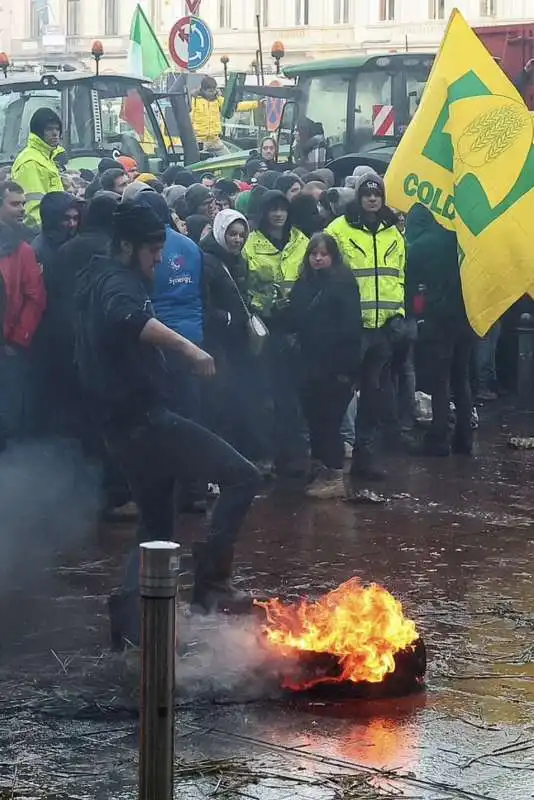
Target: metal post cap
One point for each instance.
(159, 564)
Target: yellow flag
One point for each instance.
(468, 156)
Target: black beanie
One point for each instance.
(137, 224)
(109, 163)
(42, 118)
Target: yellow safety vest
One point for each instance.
(378, 261)
(37, 172)
(206, 118)
(269, 267)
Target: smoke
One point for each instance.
(49, 500)
(223, 658)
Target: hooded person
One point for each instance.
(35, 168)
(306, 215)
(134, 189)
(60, 219)
(237, 402)
(274, 253)
(198, 226)
(290, 184)
(119, 350)
(324, 175)
(373, 247)
(447, 339)
(200, 200)
(178, 296)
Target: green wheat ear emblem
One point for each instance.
(491, 134)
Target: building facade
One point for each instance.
(33, 29)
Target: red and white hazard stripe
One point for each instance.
(383, 120)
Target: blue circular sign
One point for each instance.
(200, 44)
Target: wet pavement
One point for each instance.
(455, 542)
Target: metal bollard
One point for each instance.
(525, 362)
(158, 575)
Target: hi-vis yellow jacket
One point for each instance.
(206, 118)
(37, 172)
(269, 267)
(378, 261)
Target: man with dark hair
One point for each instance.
(22, 302)
(119, 346)
(114, 180)
(206, 116)
(35, 168)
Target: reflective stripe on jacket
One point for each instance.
(37, 172)
(206, 118)
(378, 263)
(269, 266)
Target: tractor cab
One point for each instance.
(102, 115)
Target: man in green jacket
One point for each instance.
(34, 168)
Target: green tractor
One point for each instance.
(103, 115)
(364, 104)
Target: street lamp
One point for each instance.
(225, 61)
(254, 66)
(97, 51)
(4, 63)
(278, 51)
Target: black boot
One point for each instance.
(364, 466)
(125, 619)
(213, 589)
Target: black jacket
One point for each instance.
(324, 311)
(122, 377)
(225, 314)
(433, 264)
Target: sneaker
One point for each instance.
(330, 485)
(475, 420)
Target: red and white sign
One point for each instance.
(193, 6)
(383, 120)
(179, 42)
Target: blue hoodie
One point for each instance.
(177, 295)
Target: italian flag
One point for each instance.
(146, 57)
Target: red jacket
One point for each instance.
(22, 293)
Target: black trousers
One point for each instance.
(449, 349)
(324, 402)
(374, 408)
(164, 448)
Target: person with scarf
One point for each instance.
(274, 253)
(227, 338)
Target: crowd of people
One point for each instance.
(189, 330)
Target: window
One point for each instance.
(488, 8)
(111, 21)
(327, 103)
(262, 8)
(225, 13)
(73, 17)
(436, 9)
(38, 17)
(387, 10)
(341, 12)
(302, 12)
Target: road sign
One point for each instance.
(193, 6)
(384, 117)
(190, 43)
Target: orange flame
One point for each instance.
(364, 627)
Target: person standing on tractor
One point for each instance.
(206, 116)
(35, 169)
